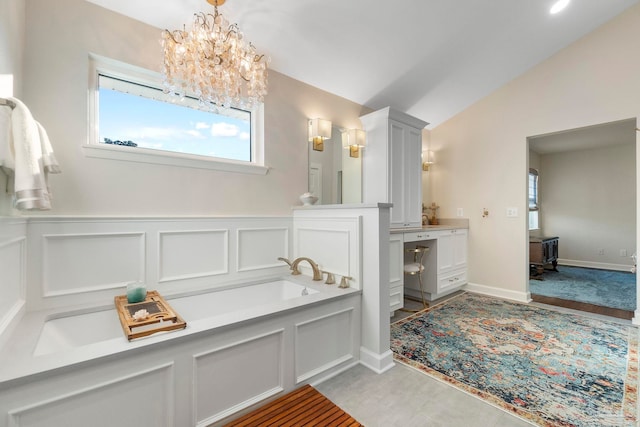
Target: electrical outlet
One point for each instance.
(600, 251)
(623, 252)
(512, 212)
(459, 212)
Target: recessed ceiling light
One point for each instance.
(558, 6)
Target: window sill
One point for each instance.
(142, 155)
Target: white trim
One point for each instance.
(518, 296)
(143, 155)
(378, 363)
(597, 265)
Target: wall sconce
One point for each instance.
(354, 140)
(427, 160)
(319, 130)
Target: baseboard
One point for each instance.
(597, 265)
(518, 296)
(335, 373)
(378, 363)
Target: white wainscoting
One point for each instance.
(88, 261)
(256, 247)
(13, 238)
(217, 392)
(140, 399)
(77, 263)
(205, 378)
(333, 243)
(322, 343)
(176, 263)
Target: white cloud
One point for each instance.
(202, 125)
(245, 135)
(195, 134)
(224, 130)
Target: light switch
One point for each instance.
(512, 212)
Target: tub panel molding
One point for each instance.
(142, 398)
(78, 261)
(231, 378)
(333, 243)
(323, 343)
(88, 262)
(192, 254)
(259, 248)
(12, 266)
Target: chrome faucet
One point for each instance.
(293, 266)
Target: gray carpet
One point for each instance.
(606, 288)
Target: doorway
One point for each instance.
(587, 199)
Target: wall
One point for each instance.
(59, 37)
(12, 30)
(482, 152)
(587, 199)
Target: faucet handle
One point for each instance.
(330, 278)
(344, 282)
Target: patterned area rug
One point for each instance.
(615, 289)
(550, 368)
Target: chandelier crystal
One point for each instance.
(213, 62)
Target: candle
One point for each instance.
(136, 292)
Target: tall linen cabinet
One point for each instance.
(392, 165)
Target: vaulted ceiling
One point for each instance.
(429, 58)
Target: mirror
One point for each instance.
(334, 176)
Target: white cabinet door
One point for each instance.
(452, 250)
(460, 249)
(406, 178)
(396, 271)
(392, 171)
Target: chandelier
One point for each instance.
(213, 62)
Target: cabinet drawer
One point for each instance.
(452, 280)
(417, 236)
(396, 297)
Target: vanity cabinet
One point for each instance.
(445, 263)
(392, 166)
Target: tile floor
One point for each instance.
(406, 397)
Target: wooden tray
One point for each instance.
(161, 316)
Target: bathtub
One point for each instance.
(67, 331)
(241, 345)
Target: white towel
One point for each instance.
(27, 156)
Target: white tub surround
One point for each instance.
(64, 359)
(323, 228)
(241, 346)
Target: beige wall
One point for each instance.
(12, 32)
(59, 37)
(482, 152)
(587, 198)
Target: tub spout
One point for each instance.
(287, 261)
(317, 275)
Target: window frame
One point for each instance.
(535, 209)
(112, 68)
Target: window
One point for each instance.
(534, 211)
(132, 119)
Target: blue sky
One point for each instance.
(172, 127)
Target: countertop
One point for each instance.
(445, 224)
